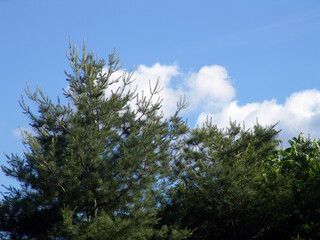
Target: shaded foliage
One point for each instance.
(227, 181)
(301, 167)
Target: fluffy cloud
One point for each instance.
(146, 77)
(299, 113)
(211, 94)
(211, 86)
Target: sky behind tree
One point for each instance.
(243, 60)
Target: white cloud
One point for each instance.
(162, 72)
(144, 76)
(149, 75)
(211, 94)
(211, 84)
(300, 113)
(208, 88)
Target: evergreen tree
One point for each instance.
(95, 168)
(228, 186)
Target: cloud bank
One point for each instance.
(212, 95)
(299, 114)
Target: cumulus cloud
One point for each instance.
(146, 77)
(299, 113)
(212, 95)
(209, 88)
(210, 85)
(164, 74)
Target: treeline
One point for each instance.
(110, 166)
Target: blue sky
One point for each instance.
(244, 60)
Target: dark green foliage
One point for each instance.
(110, 166)
(300, 165)
(229, 187)
(237, 184)
(95, 168)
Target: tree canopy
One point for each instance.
(109, 165)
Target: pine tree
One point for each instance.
(228, 185)
(92, 169)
